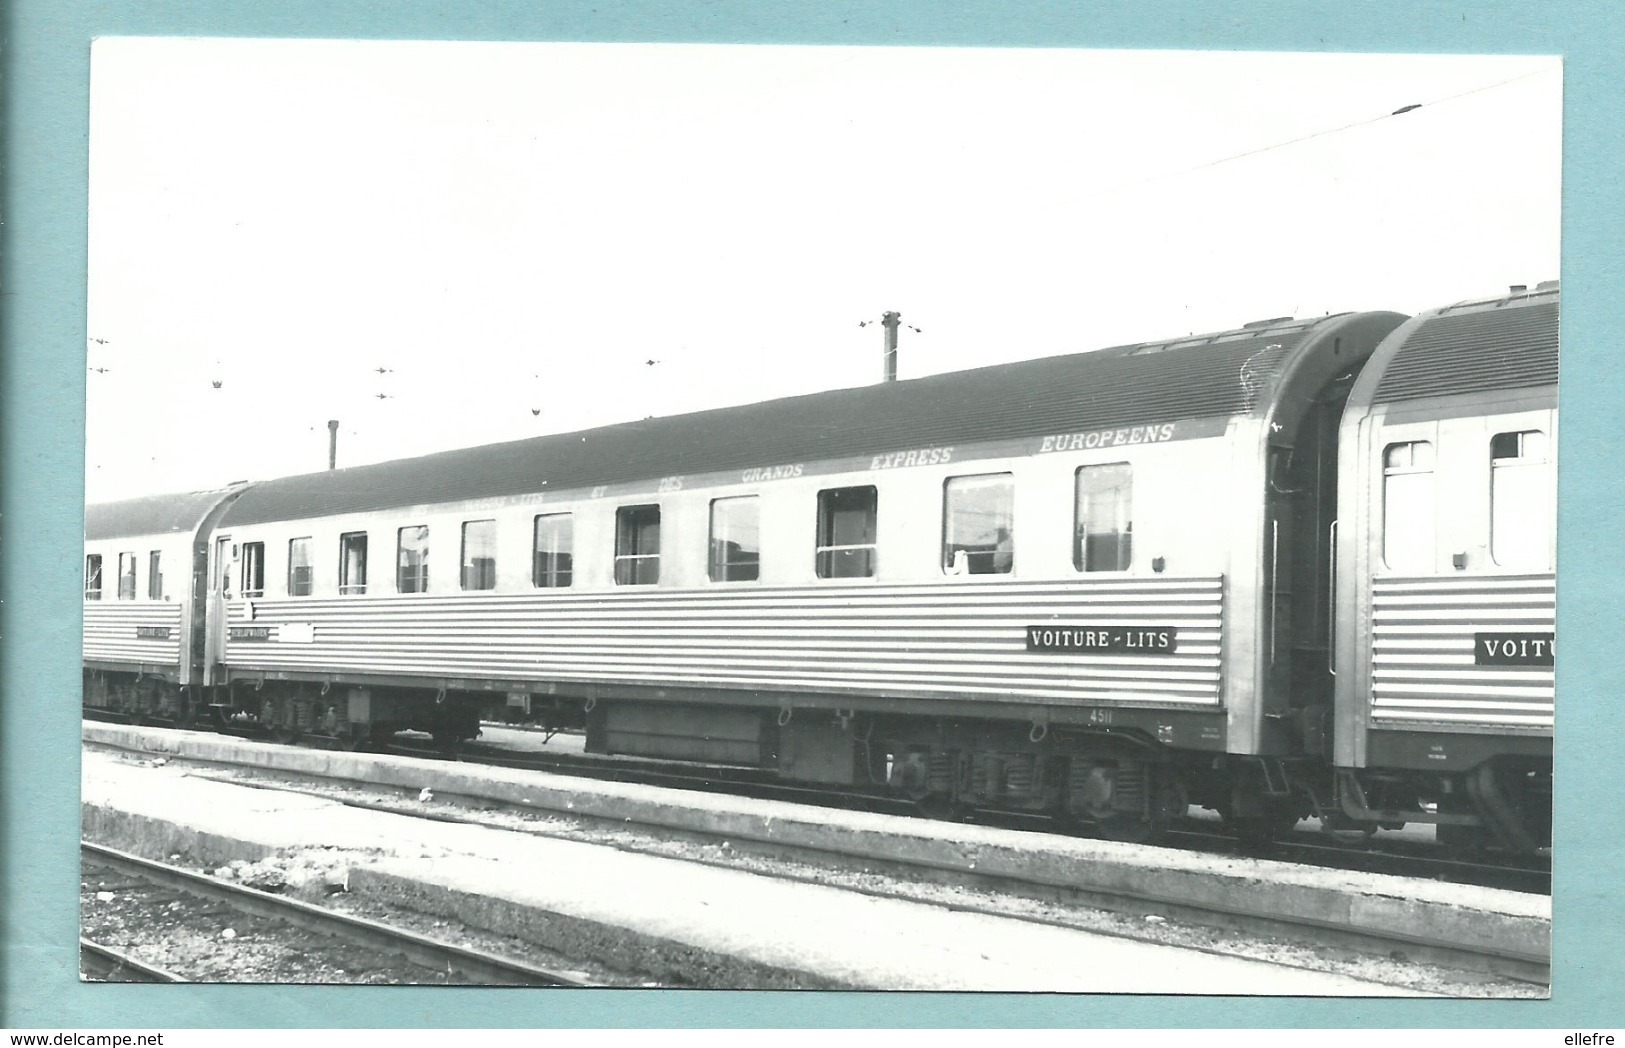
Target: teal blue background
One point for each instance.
(46, 54)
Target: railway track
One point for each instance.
(819, 865)
(1354, 852)
(904, 879)
(98, 963)
(463, 964)
(1309, 847)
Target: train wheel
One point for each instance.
(448, 744)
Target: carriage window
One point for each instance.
(1103, 526)
(846, 532)
(479, 554)
(1521, 500)
(412, 559)
(93, 576)
(555, 542)
(735, 539)
(299, 570)
(155, 576)
(126, 576)
(978, 525)
(353, 562)
(637, 545)
(1407, 506)
(253, 569)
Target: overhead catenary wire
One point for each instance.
(1286, 143)
(552, 402)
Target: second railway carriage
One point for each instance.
(145, 603)
(1093, 584)
(1446, 588)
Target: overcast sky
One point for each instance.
(514, 231)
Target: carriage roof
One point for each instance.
(1204, 376)
(152, 514)
(1477, 346)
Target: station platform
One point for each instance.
(687, 922)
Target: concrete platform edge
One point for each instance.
(619, 947)
(1371, 913)
(665, 960)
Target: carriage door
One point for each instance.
(1302, 505)
(219, 595)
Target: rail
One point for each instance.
(100, 963)
(474, 965)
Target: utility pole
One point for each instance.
(332, 443)
(889, 321)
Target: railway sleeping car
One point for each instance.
(1446, 587)
(145, 604)
(1301, 567)
(1088, 585)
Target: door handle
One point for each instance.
(1331, 601)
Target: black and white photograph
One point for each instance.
(680, 516)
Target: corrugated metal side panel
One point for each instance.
(1422, 651)
(944, 640)
(1511, 347)
(109, 632)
